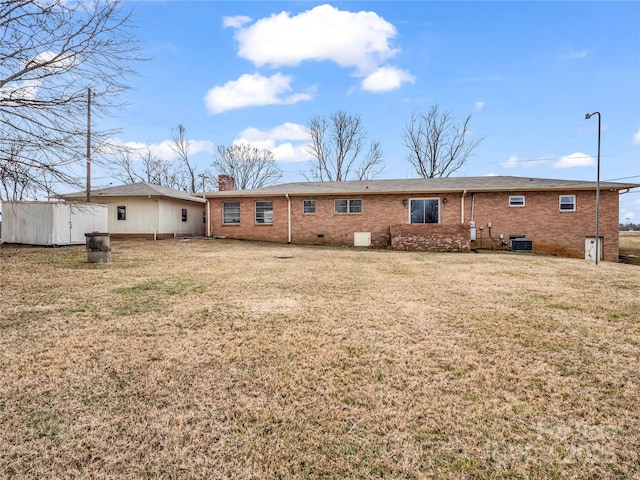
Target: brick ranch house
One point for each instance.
(447, 214)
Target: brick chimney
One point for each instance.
(226, 182)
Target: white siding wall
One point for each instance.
(154, 215)
(171, 217)
(50, 223)
(140, 214)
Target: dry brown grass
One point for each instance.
(630, 247)
(215, 359)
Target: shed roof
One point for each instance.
(423, 185)
(141, 189)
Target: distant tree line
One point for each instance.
(630, 227)
(338, 143)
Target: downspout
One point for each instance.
(473, 205)
(155, 229)
(288, 218)
(208, 218)
(462, 207)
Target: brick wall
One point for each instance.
(552, 231)
(247, 229)
(430, 238)
(326, 227)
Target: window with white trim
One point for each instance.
(230, 213)
(567, 203)
(184, 214)
(309, 207)
(122, 212)
(347, 206)
(424, 210)
(516, 201)
(264, 213)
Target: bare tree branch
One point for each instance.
(133, 166)
(437, 146)
(337, 144)
(51, 52)
(181, 146)
(250, 166)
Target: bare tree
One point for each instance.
(437, 145)
(338, 144)
(14, 174)
(144, 166)
(250, 166)
(51, 52)
(181, 146)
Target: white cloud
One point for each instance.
(577, 54)
(163, 149)
(511, 162)
(479, 106)
(577, 159)
(636, 138)
(54, 62)
(50, 63)
(26, 90)
(252, 90)
(386, 78)
(287, 142)
(286, 131)
(350, 39)
(235, 22)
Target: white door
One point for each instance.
(590, 249)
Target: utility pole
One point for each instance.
(587, 117)
(88, 145)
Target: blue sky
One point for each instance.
(527, 71)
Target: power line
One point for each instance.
(622, 178)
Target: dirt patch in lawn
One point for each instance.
(215, 359)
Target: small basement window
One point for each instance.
(516, 201)
(122, 212)
(184, 214)
(567, 203)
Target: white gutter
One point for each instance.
(288, 218)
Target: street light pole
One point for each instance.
(587, 117)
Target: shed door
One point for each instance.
(590, 249)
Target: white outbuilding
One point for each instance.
(51, 223)
(145, 210)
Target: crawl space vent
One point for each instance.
(362, 239)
